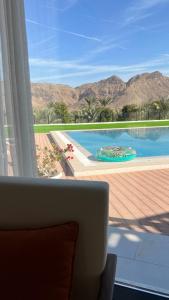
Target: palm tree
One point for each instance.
(89, 110)
(90, 102)
(155, 108)
(146, 108)
(164, 107)
(135, 109)
(90, 114)
(127, 110)
(61, 111)
(76, 116)
(104, 102)
(105, 113)
(39, 115)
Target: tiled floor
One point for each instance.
(138, 200)
(142, 258)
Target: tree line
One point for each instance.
(100, 110)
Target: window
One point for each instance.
(68, 44)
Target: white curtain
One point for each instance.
(17, 147)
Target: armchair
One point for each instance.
(33, 203)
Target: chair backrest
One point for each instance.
(27, 203)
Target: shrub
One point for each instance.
(47, 158)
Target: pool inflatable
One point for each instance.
(115, 154)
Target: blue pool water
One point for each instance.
(146, 141)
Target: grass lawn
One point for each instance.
(47, 128)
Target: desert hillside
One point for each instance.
(139, 89)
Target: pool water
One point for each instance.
(146, 141)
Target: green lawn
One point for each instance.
(48, 128)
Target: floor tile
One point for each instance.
(143, 274)
(123, 242)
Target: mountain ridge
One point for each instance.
(139, 89)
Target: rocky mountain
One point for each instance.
(139, 89)
(110, 87)
(144, 88)
(43, 93)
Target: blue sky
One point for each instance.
(79, 41)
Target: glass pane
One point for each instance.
(99, 76)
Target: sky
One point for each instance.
(79, 41)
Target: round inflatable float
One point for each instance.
(115, 154)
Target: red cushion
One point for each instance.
(37, 264)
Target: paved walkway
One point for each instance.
(142, 258)
(138, 200)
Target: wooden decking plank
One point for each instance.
(148, 192)
(138, 200)
(136, 195)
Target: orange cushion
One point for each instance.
(37, 264)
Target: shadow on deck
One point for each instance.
(160, 223)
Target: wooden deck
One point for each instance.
(138, 200)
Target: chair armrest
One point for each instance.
(108, 278)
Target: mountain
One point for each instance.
(43, 93)
(110, 87)
(144, 88)
(139, 89)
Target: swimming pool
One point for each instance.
(147, 142)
